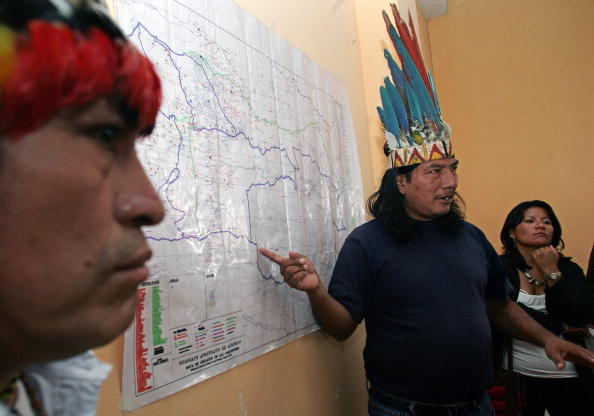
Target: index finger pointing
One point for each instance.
(271, 255)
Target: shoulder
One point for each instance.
(569, 267)
(506, 258)
(367, 239)
(473, 229)
(509, 264)
(476, 234)
(370, 230)
(567, 262)
(56, 378)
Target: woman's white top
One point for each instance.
(531, 360)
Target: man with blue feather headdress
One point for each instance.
(426, 282)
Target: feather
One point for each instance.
(425, 100)
(412, 47)
(397, 74)
(434, 93)
(382, 117)
(418, 137)
(398, 105)
(424, 72)
(388, 23)
(413, 105)
(392, 142)
(390, 120)
(414, 38)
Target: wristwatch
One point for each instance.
(554, 276)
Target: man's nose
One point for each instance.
(449, 178)
(136, 202)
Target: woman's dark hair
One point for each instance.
(514, 218)
(387, 206)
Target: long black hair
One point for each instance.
(387, 206)
(514, 218)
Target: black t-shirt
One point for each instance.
(424, 305)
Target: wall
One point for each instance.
(313, 375)
(515, 83)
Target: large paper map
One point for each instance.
(254, 147)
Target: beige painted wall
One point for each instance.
(515, 82)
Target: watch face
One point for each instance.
(554, 276)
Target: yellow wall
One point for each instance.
(516, 84)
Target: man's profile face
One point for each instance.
(430, 192)
(74, 196)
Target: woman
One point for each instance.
(553, 290)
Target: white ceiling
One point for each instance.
(433, 8)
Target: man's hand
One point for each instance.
(515, 322)
(297, 270)
(299, 273)
(559, 350)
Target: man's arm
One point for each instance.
(515, 322)
(299, 273)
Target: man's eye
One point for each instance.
(106, 135)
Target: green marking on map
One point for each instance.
(157, 317)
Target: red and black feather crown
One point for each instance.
(56, 54)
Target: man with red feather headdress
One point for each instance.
(75, 96)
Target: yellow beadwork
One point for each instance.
(6, 53)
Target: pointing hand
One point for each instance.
(297, 270)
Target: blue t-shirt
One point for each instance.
(424, 305)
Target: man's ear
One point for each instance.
(401, 183)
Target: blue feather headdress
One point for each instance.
(410, 112)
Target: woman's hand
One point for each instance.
(546, 259)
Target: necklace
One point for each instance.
(9, 394)
(34, 396)
(533, 281)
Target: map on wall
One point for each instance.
(254, 147)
